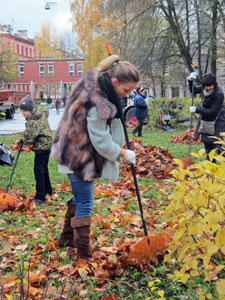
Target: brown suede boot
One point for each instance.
(66, 237)
(81, 234)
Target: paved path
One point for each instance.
(18, 123)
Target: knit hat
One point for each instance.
(27, 103)
(140, 89)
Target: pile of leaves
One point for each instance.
(15, 201)
(16, 145)
(184, 138)
(152, 161)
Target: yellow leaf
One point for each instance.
(220, 286)
(194, 264)
(150, 283)
(195, 154)
(95, 265)
(161, 293)
(212, 154)
(179, 233)
(154, 288)
(83, 272)
(220, 240)
(201, 152)
(194, 273)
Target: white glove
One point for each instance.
(130, 156)
(192, 109)
(193, 75)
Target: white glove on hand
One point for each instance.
(130, 156)
(192, 109)
(192, 76)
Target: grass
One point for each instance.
(39, 229)
(23, 177)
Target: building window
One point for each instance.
(21, 70)
(22, 52)
(41, 69)
(26, 51)
(79, 68)
(71, 69)
(50, 69)
(30, 52)
(17, 49)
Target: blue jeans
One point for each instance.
(83, 195)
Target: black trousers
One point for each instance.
(43, 184)
(138, 129)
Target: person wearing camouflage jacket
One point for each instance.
(38, 134)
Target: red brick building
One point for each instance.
(55, 77)
(23, 46)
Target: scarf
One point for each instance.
(107, 87)
(205, 93)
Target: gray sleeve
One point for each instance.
(100, 136)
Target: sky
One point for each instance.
(31, 14)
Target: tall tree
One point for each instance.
(92, 24)
(8, 63)
(161, 37)
(47, 43)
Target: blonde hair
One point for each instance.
(122, 70)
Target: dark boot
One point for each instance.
(81, 234)
(66, 237)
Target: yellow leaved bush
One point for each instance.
(197, 212)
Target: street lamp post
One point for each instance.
(50, 4)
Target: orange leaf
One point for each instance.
(110, 297)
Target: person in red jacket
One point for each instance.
(57, 105)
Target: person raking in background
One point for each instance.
(212, 109)
(38, 134)
(89, 140)
(140, 111)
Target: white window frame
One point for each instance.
(50, 69)
(41, 72)
(71, 72)
(21, 69)
(79, 68)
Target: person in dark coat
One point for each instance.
(49, 101)
(140, 111)
(212, 106)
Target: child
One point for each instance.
(38, 134)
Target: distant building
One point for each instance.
(54, 77)
(23, 46)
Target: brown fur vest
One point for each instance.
(72, 146)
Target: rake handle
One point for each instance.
(191, 121)
(14, 166)
(133, 172)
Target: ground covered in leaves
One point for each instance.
(33, 267)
